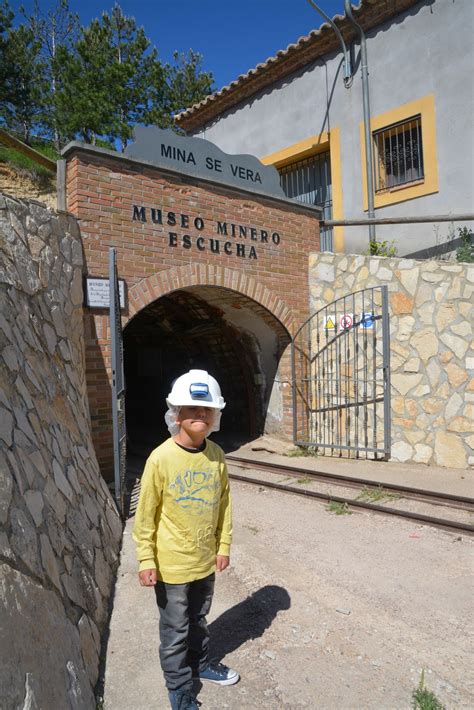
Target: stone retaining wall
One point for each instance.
(432, 349)
(59, 529)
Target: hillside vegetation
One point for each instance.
(63, 81)
(24, 178)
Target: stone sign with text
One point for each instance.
(199, 157)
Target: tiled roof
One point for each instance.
(368, 14)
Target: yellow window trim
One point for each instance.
(327, 140)
(298, 151)
(424, 106)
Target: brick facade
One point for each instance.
(169, 233)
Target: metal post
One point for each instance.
(457, 217)
(117, 375)
(366, 108)
(387, 422)
(347, 62)
(61, 202)
(293, 379)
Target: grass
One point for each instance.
(424, 699)
(302, 451)
(304, 480)
(338, 508)
(16, 159)
(376, 495)
(22, 164)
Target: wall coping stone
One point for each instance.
(77, 147)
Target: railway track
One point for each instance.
(461, 507)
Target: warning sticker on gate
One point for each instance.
(367, 320)
(330, 322)
(346, 321)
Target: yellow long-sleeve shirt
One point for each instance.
(183, 516)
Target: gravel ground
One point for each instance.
(317, 611)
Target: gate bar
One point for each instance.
(387, 417)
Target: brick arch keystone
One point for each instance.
(153, 287)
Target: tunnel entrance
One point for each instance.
(211, 328)
(215, 274)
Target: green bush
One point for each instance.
(382, 248)
(465, 252)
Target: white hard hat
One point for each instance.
(196, 388)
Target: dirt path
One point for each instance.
(318, 611)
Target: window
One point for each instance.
(398, 154)
(405, 163)
(309, 181)
(310, 171)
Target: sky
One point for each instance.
(233, 37)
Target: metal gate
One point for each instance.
(118, 385)
(341, 376)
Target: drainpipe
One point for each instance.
(367, 132)
(347, 73)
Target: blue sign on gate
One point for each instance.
(367, 320)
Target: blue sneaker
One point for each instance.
(182, 700)
(219, 673)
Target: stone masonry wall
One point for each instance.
(432, 350)
(59, 529)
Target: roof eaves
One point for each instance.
(284, 62)
(287, 61)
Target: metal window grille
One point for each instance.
(309, 181)
(398, 154)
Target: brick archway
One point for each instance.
(153, 287)
(175, 232)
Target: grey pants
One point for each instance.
(184, 636)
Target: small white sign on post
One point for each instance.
(97, 292)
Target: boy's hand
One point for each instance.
(147, 577)
(222, 561)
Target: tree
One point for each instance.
(84, 98)
(23, 86)
(56, 29)
(111, 80)
(6, 18)
(94, 83)
(188, 84)
(136, 74)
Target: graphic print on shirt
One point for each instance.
(196, 491)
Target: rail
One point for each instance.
(467, 217)
(429, 497)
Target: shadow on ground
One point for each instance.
(247, 620)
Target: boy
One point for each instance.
(183, 532)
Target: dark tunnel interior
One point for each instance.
(209, 328)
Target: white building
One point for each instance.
(295, 111)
